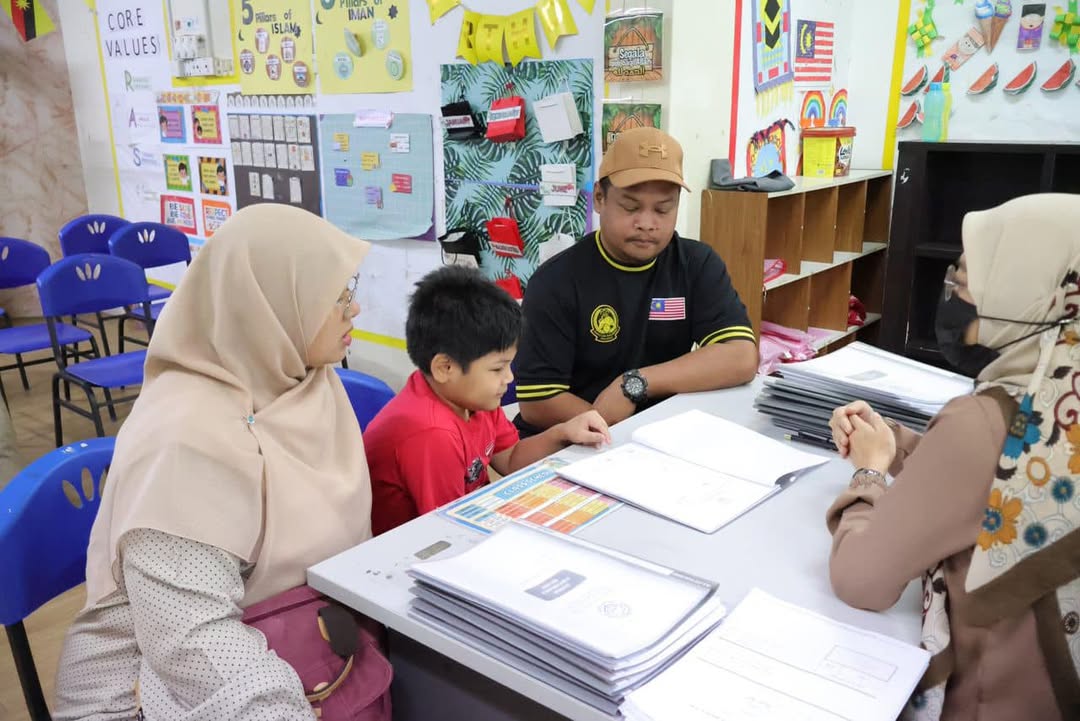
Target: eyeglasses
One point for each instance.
(951, 283)
(345, 300)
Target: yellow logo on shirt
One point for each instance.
(605, 323)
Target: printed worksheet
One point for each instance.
(774, 661)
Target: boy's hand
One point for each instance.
(587, 429)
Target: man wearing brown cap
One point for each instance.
(611, 322)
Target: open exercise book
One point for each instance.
(694, 468)
(772, 661)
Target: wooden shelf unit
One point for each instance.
(940, 184)
(833, 236)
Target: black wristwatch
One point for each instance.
(635, 387)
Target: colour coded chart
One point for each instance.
(535, 495)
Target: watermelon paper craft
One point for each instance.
(911, 115)
(1060, 79)
(916, 83)
(941, 76)
(1023, 81)
(986, 82)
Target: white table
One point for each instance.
(782, 547)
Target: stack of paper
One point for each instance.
(694, 468)
(590, 621)
(803, 399)
(772, 661)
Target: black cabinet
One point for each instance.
(937, 184)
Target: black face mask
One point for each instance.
(954, 317)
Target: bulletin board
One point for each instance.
(379, 183)
(793, 59)
(982, 110)
(395, 66)
(485, 179)
(276, 160)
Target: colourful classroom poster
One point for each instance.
(275, 47)
(206, 125)
(633, 47)
(215, 213)
(212, 176)
(171, 124)
(178, 172)
(535, 495)
(179, 212)
(620, 117)
(363, 46)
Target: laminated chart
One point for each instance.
(536, 495)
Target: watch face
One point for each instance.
(634, 386)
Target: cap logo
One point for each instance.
(646, 149)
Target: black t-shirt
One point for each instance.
(588, 318)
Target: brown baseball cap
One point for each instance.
(641, 155)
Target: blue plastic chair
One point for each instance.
(89, 284)
(149, 245)
(46, 513)
(90, 234)
(20, 264)
(367, 394)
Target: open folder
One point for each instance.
(694, 468)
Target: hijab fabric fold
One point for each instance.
(234, 441)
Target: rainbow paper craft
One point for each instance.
(813, 110)
(838, 109)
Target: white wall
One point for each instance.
(995, 116)
(874, 28)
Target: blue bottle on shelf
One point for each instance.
(933, 114)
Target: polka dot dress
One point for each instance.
(173, 630)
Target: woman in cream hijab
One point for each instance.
(240, 465)
(985, 505)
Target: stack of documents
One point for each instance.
(693, 468)
(909, 392)
(772, 661)
(591, 622)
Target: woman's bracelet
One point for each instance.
(866, 477)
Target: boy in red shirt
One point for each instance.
(433, 443)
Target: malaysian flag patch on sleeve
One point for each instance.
(667, 309)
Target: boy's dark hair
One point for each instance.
(220, 168)
(181, 166)
(458, 312)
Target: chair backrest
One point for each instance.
(90, 283)
(20, 262)
(88, 234)
(46, 513)
(150, 245)
(367, 394)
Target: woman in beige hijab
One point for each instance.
(985, 505)
(240, 465)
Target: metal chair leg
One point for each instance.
(109, 403)
(28, 678)
(95, 410)
(22, 371)
(57, 422)
(104, 334)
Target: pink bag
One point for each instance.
(339, 661)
